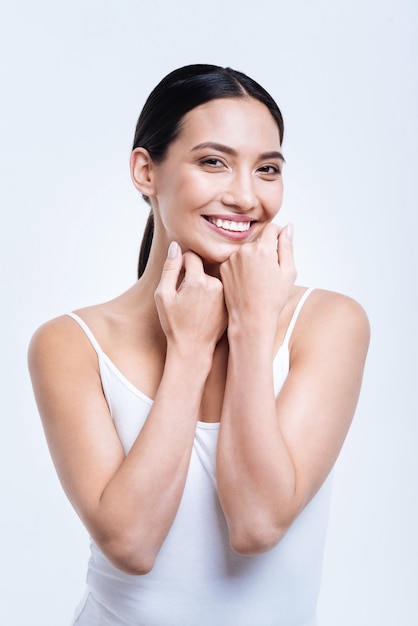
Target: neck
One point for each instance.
(212, 269)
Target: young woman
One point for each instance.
(194, 419)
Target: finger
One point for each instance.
(285, 248)
(269, 234)
(172, 267)
(193, 265)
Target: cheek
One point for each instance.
(195, 190)
(273, 200)
(182, 196)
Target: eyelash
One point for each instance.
(275, 169)
(214, 162)
(211, 161)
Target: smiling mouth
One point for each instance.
(229, 225)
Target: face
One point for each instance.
(220, 182)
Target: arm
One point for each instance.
(128, 503)
(273, 455)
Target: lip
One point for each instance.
(230, 234)
(231, 218)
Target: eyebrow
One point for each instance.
(273, 154)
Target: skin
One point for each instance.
(214, 365)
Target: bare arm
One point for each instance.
(128, 503)
(273, 455)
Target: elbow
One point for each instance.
(129, 557)
(261, 534)
(134, 566)
(256, 540)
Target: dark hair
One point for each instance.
(178, 93)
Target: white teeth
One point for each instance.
(241, 227)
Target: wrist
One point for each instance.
(260, 334)
(189, 358)
(252, 352)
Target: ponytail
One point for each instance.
(146, 244)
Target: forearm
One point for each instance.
(256, 476)
(138, 505)
(143, 496)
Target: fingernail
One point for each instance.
(289, 231)
(172, 250)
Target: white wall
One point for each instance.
(74, 76)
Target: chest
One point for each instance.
(140, 357)
(144, 367)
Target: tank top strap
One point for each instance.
(296, 314)
(88, 332)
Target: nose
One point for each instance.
(240, 192)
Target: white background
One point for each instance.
(74, 76)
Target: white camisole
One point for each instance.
(197, 580)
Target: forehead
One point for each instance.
(232, 121)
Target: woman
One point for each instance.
(194, 419)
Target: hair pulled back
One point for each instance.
(178, 93)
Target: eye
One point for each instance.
(271, 170)
(212, 162)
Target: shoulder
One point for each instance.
(332, 319)
(65, 330)
(57, 343)
(338, 306)
(57, 331)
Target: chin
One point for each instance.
(212, 265)
(215, 259)
(212, 256)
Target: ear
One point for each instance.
(142, 171)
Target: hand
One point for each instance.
(192, 314)
(258, 279)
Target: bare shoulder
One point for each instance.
(333, 319)
(54, 336)
(340, 308)
(64, 335)
(336, 305)
(60, 346)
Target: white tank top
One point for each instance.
(197, 580)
